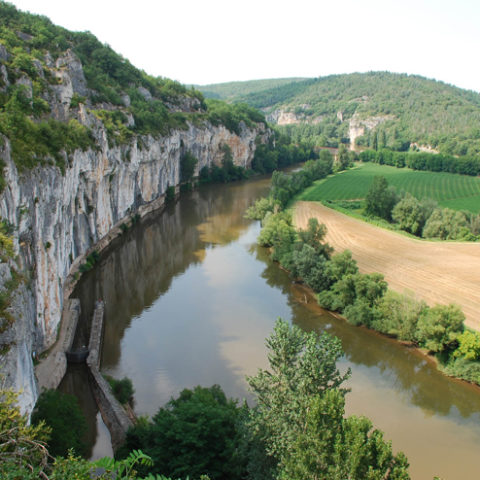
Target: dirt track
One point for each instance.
(437, 272)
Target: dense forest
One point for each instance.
(232, 90)
(398, 109)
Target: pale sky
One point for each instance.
(213, 41)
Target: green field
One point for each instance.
(459, 192)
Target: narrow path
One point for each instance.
(437, 272)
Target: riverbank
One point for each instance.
(194, 281)
(437, 272)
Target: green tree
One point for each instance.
(341, 264)
(333, 447)
(447, 224)
(61, 412)
(309, 265)
(440, 326)
(343, 158)
(362, 291)
(409, 215)
(398, 315)
(314, 236)
(187, 167)
(468, 345)
(260, 208)
(193, 434)
(277, 232)
(380, 198)
(298, 422)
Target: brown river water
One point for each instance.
(189, 300)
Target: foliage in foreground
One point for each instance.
(192, 435)
(297, 430)
(299, 420)
(24, 453)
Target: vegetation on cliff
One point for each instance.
(43, 129)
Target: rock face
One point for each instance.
(283, 117)
(58, 217)
(358, 126)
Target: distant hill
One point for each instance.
(373, 109)
(234, 90)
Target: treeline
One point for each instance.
(284, 186)
(364, 299)
(432, 162)
(280, 152)
(423, 218)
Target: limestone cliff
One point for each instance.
(58, 215)
(358, 126)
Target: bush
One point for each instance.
(121, 389)
(468, 345)
(463, 368)
(398, 315)
(170, 194)
(439, 328)
(446, 224)
(187, 167)
(61, 412)
(193, 434)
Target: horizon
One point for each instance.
(332, 75)
(198, 43)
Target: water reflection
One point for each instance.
(190, 299)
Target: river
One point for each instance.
(189, 299)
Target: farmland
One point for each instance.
(459, 192)
(438, 272)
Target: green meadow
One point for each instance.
(459, 192)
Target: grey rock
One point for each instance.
(4, 56)
(145, 93)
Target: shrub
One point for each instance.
(398, 315)
(439, 327)
(468, 345)
(193, 434)
(170, 194)
(122, 389)
(463, 368)
(187, 167)
(61, 412)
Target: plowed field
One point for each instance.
(437, 272)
